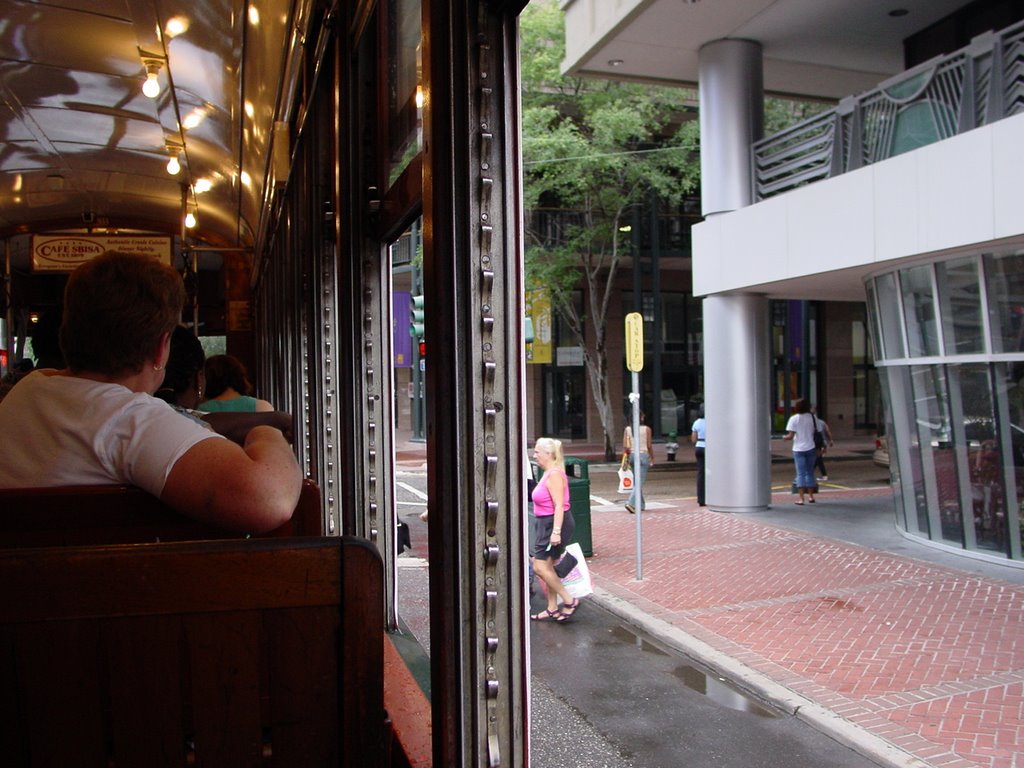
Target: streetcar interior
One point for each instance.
(275, 152)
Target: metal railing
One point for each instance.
(977, 85)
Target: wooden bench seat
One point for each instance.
(121, 514)
(215, 653)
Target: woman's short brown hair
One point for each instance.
(223, 371)
(801, 406)
(116, 308)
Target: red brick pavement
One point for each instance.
(928, 658)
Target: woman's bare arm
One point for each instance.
(252, 488)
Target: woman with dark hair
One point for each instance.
(96, 421)
(228, 387)
(183, 388)
(800, 429)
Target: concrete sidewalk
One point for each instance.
(909, 662)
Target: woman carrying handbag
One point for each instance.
(646, 453)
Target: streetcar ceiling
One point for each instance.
(82, 146)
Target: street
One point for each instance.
(605, 694)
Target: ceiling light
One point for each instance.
(190, 220)
(202, 185)
(193, 119)
(173, 166)
(152, 85)
(176, 25)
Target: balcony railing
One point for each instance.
(940, 98)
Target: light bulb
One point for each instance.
(190, 220)
(173, 166)
(152, 85)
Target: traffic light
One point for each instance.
(416, 326)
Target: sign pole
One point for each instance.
(635, 363)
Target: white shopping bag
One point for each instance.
(625, 480)
(577, 581)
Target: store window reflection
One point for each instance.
(938, 459)
(955, 420)
(960, 299)
(984, 457)
(1005, 283)
(1009, 379)
(919, 308)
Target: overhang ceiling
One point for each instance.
(82, 147)
(818, 48)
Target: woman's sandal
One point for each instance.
(568, 609)
(547, 615)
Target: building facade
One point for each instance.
(903, 198)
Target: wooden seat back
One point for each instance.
(217, 653)
(121, 514)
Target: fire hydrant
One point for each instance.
(671, 446)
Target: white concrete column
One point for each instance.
(736, 402)
(737, 342)
(731, 118)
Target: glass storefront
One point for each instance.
(948, 338)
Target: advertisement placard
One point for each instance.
(62, 253)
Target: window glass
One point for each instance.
(889, 318)
(405, 100)
(919, 311)
(1009, 404)
(960, 302)
(938, 457)
(865, 379)
(904, 444)
(1004, 279)
(875, 332)
(984, 457)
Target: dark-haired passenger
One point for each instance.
(185, 381)
(228, 387)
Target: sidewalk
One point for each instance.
(910, 663)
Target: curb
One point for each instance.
(760, 686)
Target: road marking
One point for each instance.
(413, 491)
(836, 486)
(601, 502)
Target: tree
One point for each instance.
(594, 150)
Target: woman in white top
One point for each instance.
(646, 451)
(96, 422)
(800, 429)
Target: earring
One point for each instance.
(158, 367)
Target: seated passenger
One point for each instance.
(228, 387)
(96, 421)
(185, 380)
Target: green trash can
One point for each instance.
(578, 471)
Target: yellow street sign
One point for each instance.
(635, 341)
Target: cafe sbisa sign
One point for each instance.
(62, 253)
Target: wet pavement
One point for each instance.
(890, 650)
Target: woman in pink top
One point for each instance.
(553, 527)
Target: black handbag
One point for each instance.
(819, 437)
(564, 566)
